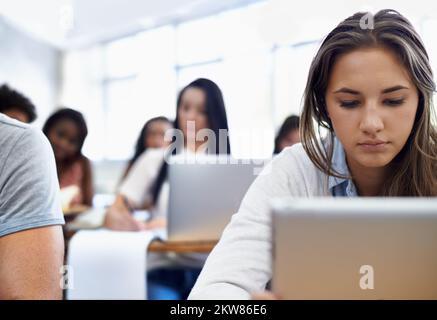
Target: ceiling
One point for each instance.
(69, 24)
(74, 23)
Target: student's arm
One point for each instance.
(31, 241)
(240, 264)
(118, 217)
(31, 262)
(134, 192)
(87, 184)
(125, 173)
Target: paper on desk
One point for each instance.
(94, 217)
(90, 219)
(141, 215)
(108, 264)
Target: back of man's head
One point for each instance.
(16, 105)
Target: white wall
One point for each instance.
(31, 67)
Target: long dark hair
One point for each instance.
(72, 115)
(217, 119)
(290, 123)
(140, 147)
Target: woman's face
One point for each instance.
(64, 137)
(372, 104)
(192, 108)
(155, 134)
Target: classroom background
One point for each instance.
(121, 63)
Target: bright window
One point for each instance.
(199, 41)
(262, 73)
(138, 89)
(292, 64)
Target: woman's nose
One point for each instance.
(191, 115)
(371, 121)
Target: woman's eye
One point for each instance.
(349, 103)
(394, 102)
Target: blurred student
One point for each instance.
(372, 90)
(288, 134)
(31, 240)
(200, 104)
(66, 130)
(15, 105)
(151, 137)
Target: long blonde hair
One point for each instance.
(415, 167)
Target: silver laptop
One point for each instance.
(205, 194)
(355, 248)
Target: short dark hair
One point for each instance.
(11, 99)
(290, 123)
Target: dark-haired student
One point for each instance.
(372, 90)
(151, 137)
(200, 106)
(66, 130)
(31, 239)
(15, 105)
(288, 134)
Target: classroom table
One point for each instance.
(182, 247)
(168, 246)
(156, 245)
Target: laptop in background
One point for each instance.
(205, 194)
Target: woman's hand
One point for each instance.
(118, 217)
(156, 223)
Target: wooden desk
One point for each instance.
(155, 246)
(182, 247)
(74, 211)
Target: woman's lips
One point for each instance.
(373, 146)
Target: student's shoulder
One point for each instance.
(150, 158)
(293, 157)
(85, 163)
(17, 135)
(9, 126)
(152, 154)
(295, 164)
(23, 146)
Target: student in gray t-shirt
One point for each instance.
(31, 241)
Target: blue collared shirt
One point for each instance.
(340, 187)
